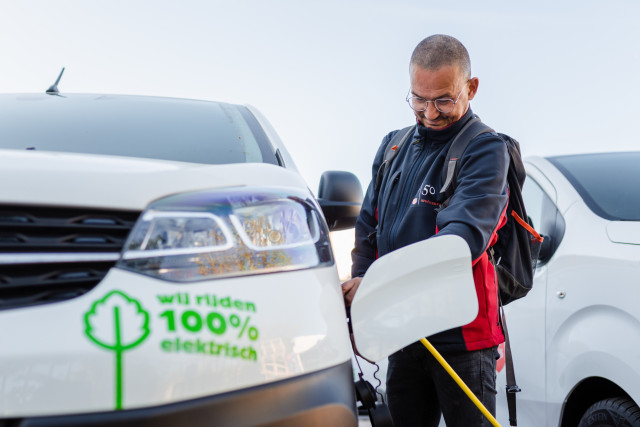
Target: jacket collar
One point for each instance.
(443, 135)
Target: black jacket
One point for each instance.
(405, 210)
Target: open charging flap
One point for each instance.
(412, 293)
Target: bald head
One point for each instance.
(441, 50)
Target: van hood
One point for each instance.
(112, 182)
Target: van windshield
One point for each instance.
(134, 126)
(607, 182)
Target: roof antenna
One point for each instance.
(53, 89)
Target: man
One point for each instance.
(408, 208)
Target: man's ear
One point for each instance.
(473, 87)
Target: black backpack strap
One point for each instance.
(512, 387)
(390, 152)
(469, 131)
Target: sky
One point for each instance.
(332, 76)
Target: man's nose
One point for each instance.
(431, 112)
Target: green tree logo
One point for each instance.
(117, 323)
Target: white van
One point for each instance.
(163, 263)
(576, 337)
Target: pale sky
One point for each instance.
(332, 75)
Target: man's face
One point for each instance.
(445, 82)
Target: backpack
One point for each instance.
(515, 253)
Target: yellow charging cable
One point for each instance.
(459, 381)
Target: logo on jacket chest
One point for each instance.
(425, 196)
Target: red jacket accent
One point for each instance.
(485, 330)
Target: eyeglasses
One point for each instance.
(444, 105)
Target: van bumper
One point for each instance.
(320, 398)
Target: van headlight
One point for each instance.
(224, 233)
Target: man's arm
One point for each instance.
(480, 197)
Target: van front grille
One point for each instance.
(53, 254)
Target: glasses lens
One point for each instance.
(417, 104)
(444, 105)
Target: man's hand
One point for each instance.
(349, 289)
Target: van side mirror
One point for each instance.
(340, 196)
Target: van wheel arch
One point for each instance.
(585, 394)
